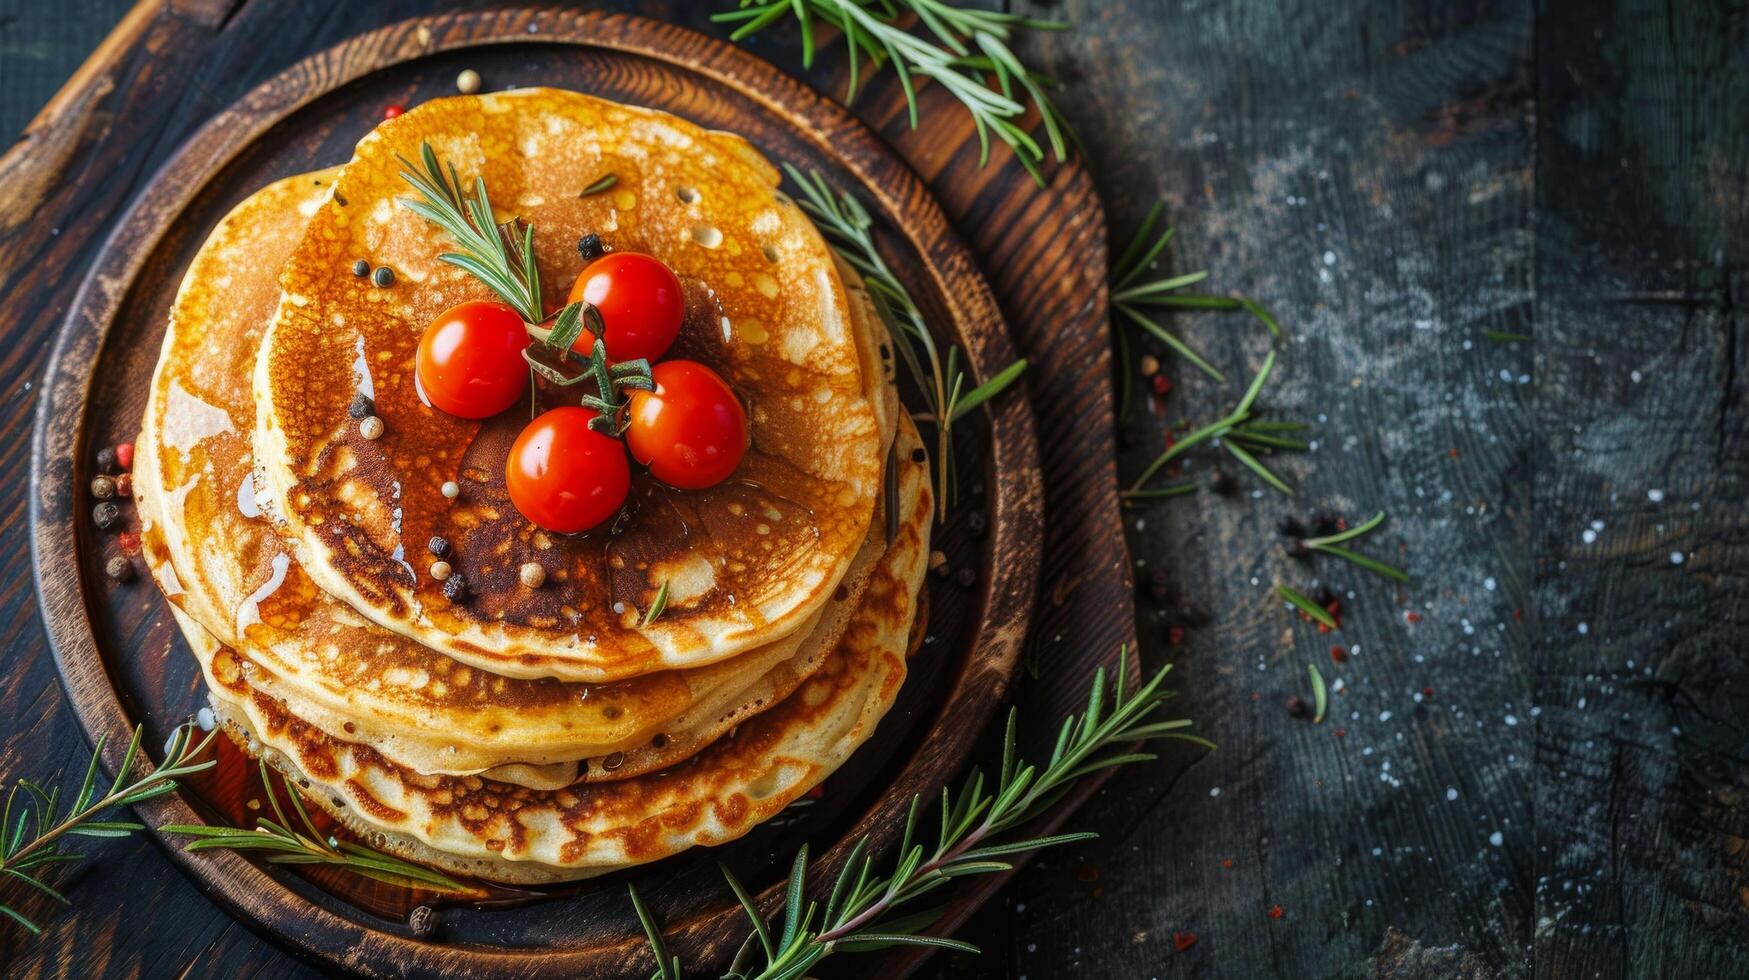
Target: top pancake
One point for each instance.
(226, 569)
(746, 562)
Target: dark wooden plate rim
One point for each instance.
(58, 440)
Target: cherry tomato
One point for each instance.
(565, 476)
(640, 303)
(691, 431)
(470, 360)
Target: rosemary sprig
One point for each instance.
(305, 844)
(1331, 545)
(1217, 430)
(502, 257)
(850, 229)
(499, 255)
(1305, 605)
(963, 47)
(862, 911)
(1130, 295)
(32, 843)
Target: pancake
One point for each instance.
(221, 563)
(505, 833)
(746, 563)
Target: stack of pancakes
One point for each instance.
(514, 731)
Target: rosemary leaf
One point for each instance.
(1305, 605)
(1233, 449)
(601, 184)
(657, 605)
(1320, 697)
(1370, 564)
(989, 389)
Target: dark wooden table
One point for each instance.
(1536, 760)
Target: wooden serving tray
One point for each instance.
(122, 662)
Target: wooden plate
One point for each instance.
(1043, 249)
(123, 664)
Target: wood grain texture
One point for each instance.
(986, 203)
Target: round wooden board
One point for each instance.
(123, 664)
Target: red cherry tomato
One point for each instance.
(691, 431)
(640, 303)
(470, 360)
(565, 476)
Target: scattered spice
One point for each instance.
(451, 489)
(1182, 941)
(102, 487)
(1341, 733)
(1412, 617)
(1150, 365)
(1427, 692)
(124, 484)
(532, 574)
(106, 460)
(1227, 863)
(362, 406)
(384, 276)
(360, 268)
(438, 545)
(129, 542)
(1275, 912)
(1296, 706)
(124, 455)
(105, 515)
(937, 559)
(1338, 655)
(119, 568)
(468, 82)
(1162, 385)
(370, 427)
(441, 571)
(391, 111)
(589, 246)
(1174, 636)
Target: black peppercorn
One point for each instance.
(918, 455)
(102, 487)
(977, 524)
(422, 922)
(106, 459)
(384, 276)
(438, 545)
(1297, 707)
(119, 568)
(966, 577)
(361, 268)
(1224, 483)
(361, 406)
(105, 514)
(589, 246)
(455, 588)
